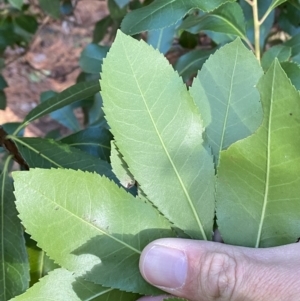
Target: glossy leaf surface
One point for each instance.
(65, 115)
(163, 13)
(91, 58)
(159, 132)
(258, 187)
(281, 52)
(225, 94)
(102, 229)
(294, 43)
(47, 153)
(227, 18)
(189, 63)
(293, 72)
(276, 3)
(94, 140)
(162, 39)
(75, 93)
(14, 266)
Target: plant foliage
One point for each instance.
(175, 147)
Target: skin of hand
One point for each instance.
(208, 271)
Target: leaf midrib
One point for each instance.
(242, 35)
(266, 194)
(228, 106)
(34, 150)
(83, 220)
(108, 290)
(49, 108)
(167, 153)
(2, 224)
(89, 144)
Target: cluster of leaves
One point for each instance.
(171, 156)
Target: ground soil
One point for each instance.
(51, 63)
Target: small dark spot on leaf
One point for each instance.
(291, 114)
(56, 208)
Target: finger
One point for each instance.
(201, 271)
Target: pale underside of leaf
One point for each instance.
(62, 285)
(258, 185)
(225, 94)
(119, 167)
(159, 132)
(57, 286)
(89, 219)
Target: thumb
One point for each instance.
(204, 271)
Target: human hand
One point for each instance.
(208, 271)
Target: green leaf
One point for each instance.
(10, 127)
(86, 211)
(47, 153)
(100, 29)
(228, 18)
(51, 7)
(76, 92)
(225, 94)
(159, 132)
(116, 12)
(62, 285)
(14, 267)
(95, 112)
(258, 185)
(162, 39)
(93, 140)
(189, 63)
(281, 52)
(88, 291)
(120, 167)
(91, 58)
(294, 43)
(2, 100)
(276, 3)
(57, 286)
(163, 13)
(40, 263)
(65, 115)
(25, 26)
(122, 3)
(293, 72)
(16, 3)
(3, 83)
